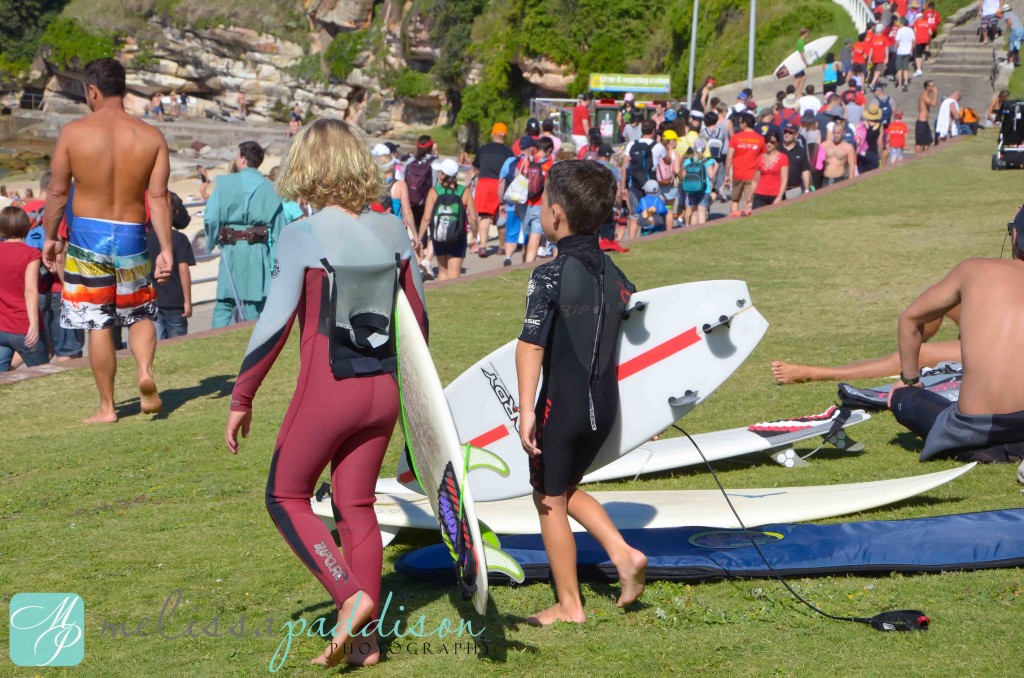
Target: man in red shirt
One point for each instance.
(934, 20)
(581, 120)
(859, 55)
(879, 43)
(922, 38)
(745, 147)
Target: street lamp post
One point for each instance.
(750, 47)
(693, 54)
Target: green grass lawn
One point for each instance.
(126, 515)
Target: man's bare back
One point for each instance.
(114, 161)
(992, 335)
(990, 293)
(112, 158)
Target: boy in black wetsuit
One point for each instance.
(573, 311)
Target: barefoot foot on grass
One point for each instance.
(557, 613)
(632, 578)
(101, 417)
(353, 614)
(363, 652)
(149, 398)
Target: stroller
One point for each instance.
(1010, 149)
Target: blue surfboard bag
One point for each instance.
(970, 541)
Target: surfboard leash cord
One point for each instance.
(892, 620)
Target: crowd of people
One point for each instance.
(337, 271)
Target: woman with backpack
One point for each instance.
(697, 174)
(448, 210)
(772, 173)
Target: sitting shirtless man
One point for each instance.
(840, 156)
(990, 412)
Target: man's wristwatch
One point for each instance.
(911, 381)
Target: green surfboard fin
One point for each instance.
(477, 457)
(499, 561)
(487, 534)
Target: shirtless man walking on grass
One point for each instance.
(923, 129)
(990, 411)
(114, 160)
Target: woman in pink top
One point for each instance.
(19, 292)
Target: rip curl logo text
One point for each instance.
(47, 629)
(331, 563)
(508, 403)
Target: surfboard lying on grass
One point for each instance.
(953, 543)
(771, 437)
(674, 508)
(440, 463)
(944, 379)
(677, 345)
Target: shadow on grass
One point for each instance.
(211, 388)
(908, 441)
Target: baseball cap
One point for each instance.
(533, 127)
(790, 127)
(1006, 7)
(499, 129)
(651, 186)
(628, 96)
(696, 115)
(449, 167)
(604, 151)
(669, 135)
(380, 149)
(699, 146)
(670, 115)
(742, 96)
(392, 146)
(527, 142)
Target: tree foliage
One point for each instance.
(22, 23)
(72, 45)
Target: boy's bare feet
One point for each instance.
(149, 398)
(101, 417)
(632, 577)
(353, 614)
(557, 613)
(786, 373)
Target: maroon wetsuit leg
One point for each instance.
(352, 440)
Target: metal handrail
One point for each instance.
(858, 11)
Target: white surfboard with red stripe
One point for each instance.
(677, 345)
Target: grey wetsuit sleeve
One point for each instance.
(294, 251)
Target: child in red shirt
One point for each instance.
(896, 137)
(19, 292)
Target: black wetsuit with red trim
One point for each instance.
(345, 421)
(574, 307)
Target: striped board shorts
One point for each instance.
(106, 276)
